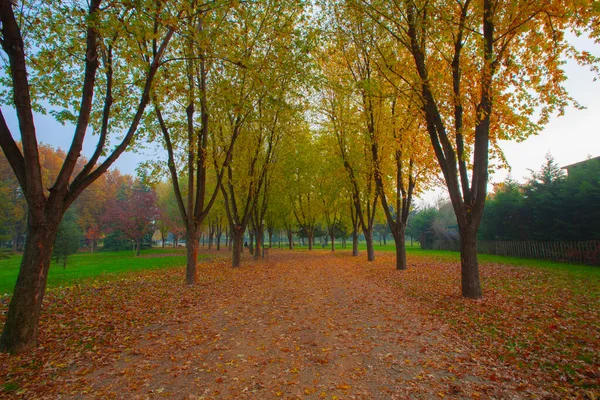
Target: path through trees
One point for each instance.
(297, 325)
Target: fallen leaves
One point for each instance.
(315, 325)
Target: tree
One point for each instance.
(13, 207)
(349, 136)
(258, 99)
(134, 215)
(201, 30)
(97, 45)
(331, 187)
(420, 223)
(549, 206)
(505, 216)
(299, 162)
(502, 64)
(68, 238)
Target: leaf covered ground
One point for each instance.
(316, 325)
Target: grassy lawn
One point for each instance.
(450, 256)
(84, 265)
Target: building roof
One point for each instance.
(577, 164)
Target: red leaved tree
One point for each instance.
(134, 215)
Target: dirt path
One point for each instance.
(298, 326)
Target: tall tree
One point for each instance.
(272, 43)
(484, 69)
(205, 28)
(300, 159)
(98, 45)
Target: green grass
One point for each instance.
(575, 269)
(82, 266)
(443, 255)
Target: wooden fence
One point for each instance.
(587, 252)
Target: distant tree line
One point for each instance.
(549, 206)
(118, 209)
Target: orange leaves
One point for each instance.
(315, 326)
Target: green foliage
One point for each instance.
(504, 214)
(421, 221)
(116, 241)
(550, 206)
(68, 238)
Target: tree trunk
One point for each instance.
(332, 242)
(370, 249)
(259, 244)
(469, 266)
(15, 241)
(237, 240)
(310, 241)
(290, 237)
(191, 270)
(251, 243)
(21, 326)
(400, 241)
(138, 247)
(355, 243)
(218, 242)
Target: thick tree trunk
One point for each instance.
(400, 242)
(469, 265)
(310, 241)
(290, 240)
(355, 243)
(251, 243)
(191, 270)
(218, 242)
(332, 242)
(370, 248)
(163, 240)
(237, 241)
(21, 326)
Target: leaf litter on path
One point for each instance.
(299, 325)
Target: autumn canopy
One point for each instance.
(278, 113)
